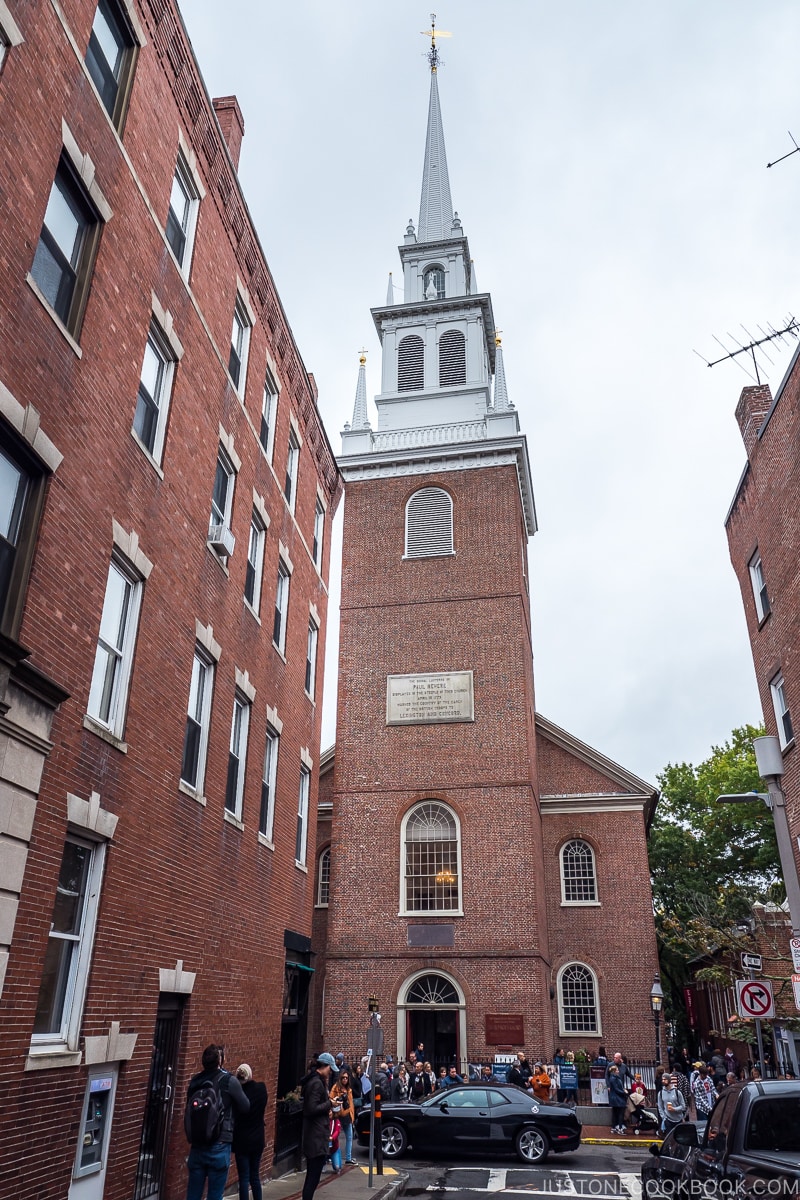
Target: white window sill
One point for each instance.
(65, 333)
(594, 1033)
(156, 466)
(232, 819)
(580, 904)
(51, 1058)
(311, 698)
(322, 906)
(264, 841)
(188, 790)
(278, 651)
(301, 867)
(423, 915)
(106, 734)
(220, 559)
(251, 610)
(787, 747)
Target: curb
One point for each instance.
(643, 1143)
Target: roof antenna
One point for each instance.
(789, 155)
(433, 54)
(754, 346)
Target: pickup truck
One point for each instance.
(750, 1147)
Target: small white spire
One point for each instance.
(390, 291)
(501, 401)
(360, 407)
(473, 279)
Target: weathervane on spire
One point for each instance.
(433, 53)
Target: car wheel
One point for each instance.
(532, 1145)
(394, 1139)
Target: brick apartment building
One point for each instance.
(480, 870)
(167, 493)
(763, 528)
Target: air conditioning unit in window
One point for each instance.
(221, 539)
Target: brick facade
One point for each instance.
(182, 882)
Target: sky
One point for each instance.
(608, 162)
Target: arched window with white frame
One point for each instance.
(431, 858)
(324, 878)
(433, 282)
(429, 523)
(578, 873)
(578, 1004)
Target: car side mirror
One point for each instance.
(685, 1135)
(445, 1108)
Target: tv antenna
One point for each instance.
(433, 33)
(789, 155)
(755, 346)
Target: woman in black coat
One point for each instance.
(248, 1135)
(317, 1111)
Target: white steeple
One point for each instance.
(435, 206)
(501, 401)
(360, 420)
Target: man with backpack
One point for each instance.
(211, 1097)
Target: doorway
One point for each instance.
(432, 1011)
(160, 1089)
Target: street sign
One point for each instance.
(754, 997)
(796, 990)
(752, 962)
(794, 948)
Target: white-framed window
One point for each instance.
(433, 282)
(324, 878)
(429, 523)
(292, 462)
(240, 343)
(281, 606)
(578, 875)
(302, 816)
(269, 783)
(319, 533)
(198, 722)
(411, 363)
(311, 657)
(758, 583)
(110, 57)
(237, 756)
(269, 413)
(578, 1008)
(108, 694)
(452, 359)
(155, 388)
(9, 32)
(23, 481)
(781, 707)
(219, 525)
(62, 990)
(431, 857)
(184, 207)
(65, 252)
(255, 562)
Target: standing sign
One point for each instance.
(794, 947)
(796, 990)
(754, 998)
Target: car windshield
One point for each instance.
(774, 1125)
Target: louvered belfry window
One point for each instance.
(452, 359)
(429, 523)
(411, 364)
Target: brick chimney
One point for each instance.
(754, 404)
(231, 123)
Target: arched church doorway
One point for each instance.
(431, 1010)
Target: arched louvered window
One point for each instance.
(429, 523)
(431, 859)
(411, 364)
(452, 359)
(433, 283)
(578, 877)
(577, 1000)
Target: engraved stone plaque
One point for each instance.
(431, 935)
(438, 698)
(505, 1029)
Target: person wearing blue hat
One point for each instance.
(317, 1113)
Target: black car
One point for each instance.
(476, 1118)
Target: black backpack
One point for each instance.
(205, 1113)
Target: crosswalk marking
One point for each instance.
(553, 1182)
(497, 1181)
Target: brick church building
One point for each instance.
(480, 870)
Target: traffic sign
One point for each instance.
(755, 999)
(794, 948)
(796, 990)
(752, 962)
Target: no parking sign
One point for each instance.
(755, 999)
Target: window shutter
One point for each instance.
(452, 359)
(411, 364)
(429, 523)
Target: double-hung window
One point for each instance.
(23, 480)
(292, 461)
(155, 385)
(311, 658)
(62, 989)
(110, 57)
(302, 816)
(255, 562)
(758, 583)
(319, 533)
(219, 525)
(108, 695)
(269, 412)
(240, 342)
(237, 756)
(198, 722)
(781, 707)
(67, 242)
(269, 783)
(184, 205)
(281, 607)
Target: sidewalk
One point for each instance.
(601, 1135)
(352, 1184)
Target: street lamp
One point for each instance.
(656, 1003)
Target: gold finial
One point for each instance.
(362, 357)
(497, 338)
(433, 33)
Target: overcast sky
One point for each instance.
(607, 160)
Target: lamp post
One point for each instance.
(656, 1002)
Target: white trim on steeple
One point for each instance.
(435, 207)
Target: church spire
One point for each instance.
(360, 407)
(436, 207)
(501, 401)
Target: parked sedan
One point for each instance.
(476, 1118)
